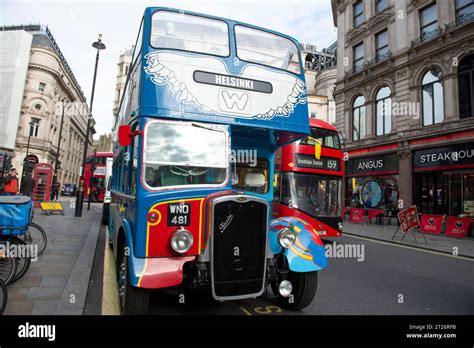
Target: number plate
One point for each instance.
(179, 214)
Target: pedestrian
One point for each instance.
(55, 191)
(11, 183)
(29, 185)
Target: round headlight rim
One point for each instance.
(175, 235)
(284, 231)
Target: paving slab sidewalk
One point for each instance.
(440, 243)
(57, 282)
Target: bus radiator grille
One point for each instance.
(239, 241)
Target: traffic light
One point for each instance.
(58, 164)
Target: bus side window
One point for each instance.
(134, 164)
(276, 187)
(125, 170)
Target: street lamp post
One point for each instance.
(25, 161)
(56, 165)
(98, 45)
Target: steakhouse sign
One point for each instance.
(447, 156)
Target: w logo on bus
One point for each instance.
(234, 101)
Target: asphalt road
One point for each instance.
(389, 280)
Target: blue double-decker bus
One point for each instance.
(207, 103)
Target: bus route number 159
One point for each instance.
(179, 214)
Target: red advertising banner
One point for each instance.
(431, 223)
(457, 227)
(356, 215)
(371, 213)
(408, 219)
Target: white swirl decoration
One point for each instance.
(176, 71)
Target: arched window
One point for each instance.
(383, 104)
(358, 118)
(432, 97)
(466, 87)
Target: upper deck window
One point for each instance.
(185, 32)
(261, 47)
(325, 137)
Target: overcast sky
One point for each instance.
(75, 25)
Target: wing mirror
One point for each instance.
(125, 135)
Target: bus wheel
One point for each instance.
(133, 300)
(304, 290)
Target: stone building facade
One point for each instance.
(320, 83)
(123, 66)
(404, 103)
(50, 86)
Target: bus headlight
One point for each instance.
(339, 226)
(286, 238)
(285, 288)
(182, 241)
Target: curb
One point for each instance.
(78, 281)
(407, 244)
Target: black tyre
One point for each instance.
(36, 235)
(3, 296)
(7, 264)
(304, 290)
(133, 300)
(23, 263)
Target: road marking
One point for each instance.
(412, 248)
(267, 309)
(110, 298)
(243, 309)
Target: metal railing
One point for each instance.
(461, 20)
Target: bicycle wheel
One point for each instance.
(23, 261)
(8, 265)
(36, 235)
(3, 296)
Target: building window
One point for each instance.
(313, 114)
(381, 5)
(432, 97)
(358, 118)
(358, 52)
(383, 121)
(358, 9)
(381, 45)
(466, 87)
(41, 86)
(34, 127)
(37, 107)
(429, 22)
(464, 11)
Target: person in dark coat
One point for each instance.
(29, 185)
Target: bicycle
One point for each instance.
(36, 235)
(23, 262)
(8, 265)
(3, 296)
(15, 216)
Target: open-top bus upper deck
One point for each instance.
(188, 66)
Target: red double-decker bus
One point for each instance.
(308, 187)
(96, 167)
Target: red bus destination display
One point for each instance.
(309, 161)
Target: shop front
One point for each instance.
(444, 180)
(372, 182)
